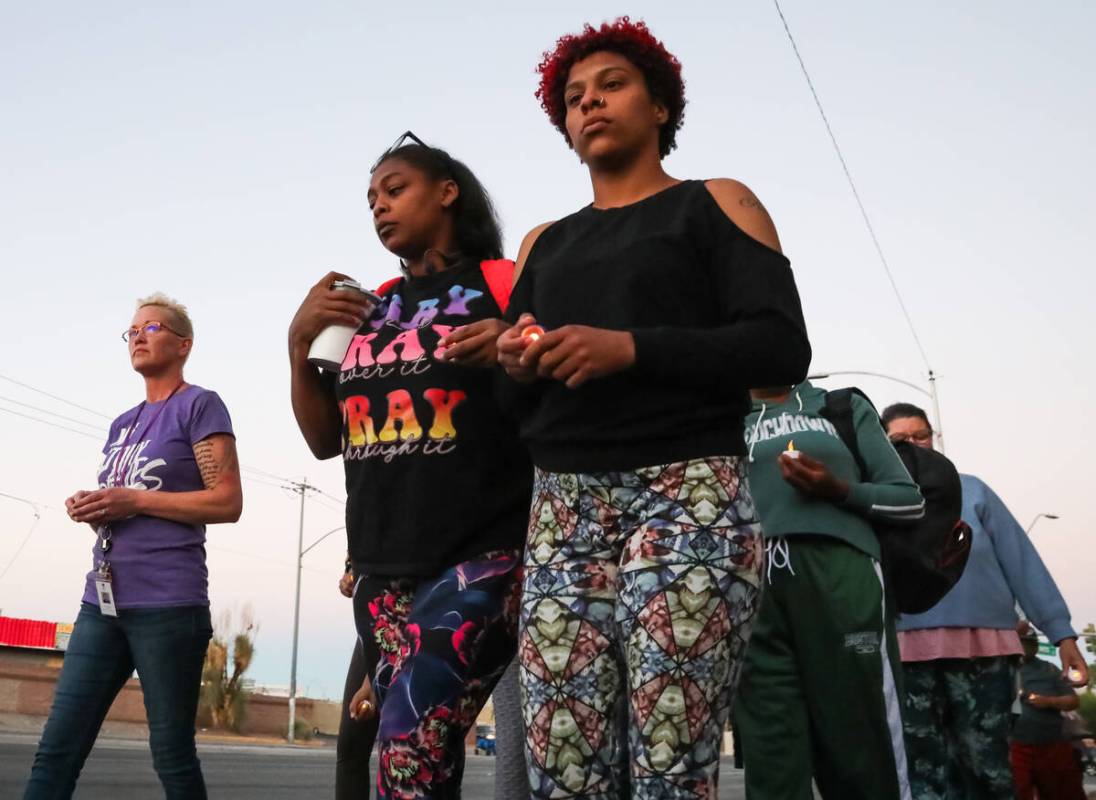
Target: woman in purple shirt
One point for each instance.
(169, 468)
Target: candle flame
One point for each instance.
(791, 445)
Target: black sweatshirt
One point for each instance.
(435, 473)
(713, 312)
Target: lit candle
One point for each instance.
(530, 333)
(1074, 674)
(791, 452)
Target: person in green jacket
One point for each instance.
(819, 695)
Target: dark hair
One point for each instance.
(660, 68)
(476, 223)
(902, 411)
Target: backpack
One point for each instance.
(497, 272)
(922, 560)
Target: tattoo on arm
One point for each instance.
(749, 201)
(211, 464)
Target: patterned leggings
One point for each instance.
(439, 645)
(640, 590)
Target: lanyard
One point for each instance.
(112, 478)
(104, 531)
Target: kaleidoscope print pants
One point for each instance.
(639, 593)
(440, 646)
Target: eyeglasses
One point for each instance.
(148, 328)
(405, 137)
(919, 436)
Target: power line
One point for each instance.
(253, 479)
(32, 503)
(55, 397)
(265, 474)
(36, 506)
(98, 438)
(329, 506)
(52, 413)
(855, 193)
(65, 400)
(258, 557)
(33, 525)
(341, 502)
(51, 424)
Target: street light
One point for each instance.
(930, 393)
(1039, 517)
(296, 621)
(1019, 610)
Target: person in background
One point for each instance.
(819, 696)
(355, 743)
(1044, 762)
(169, 469)
(657, 307)
(437, 482)
(959, 657)
(511, 778)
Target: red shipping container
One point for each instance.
(28, 633)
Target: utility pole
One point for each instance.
(936, 411)
(302, 488)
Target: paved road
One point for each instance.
(120, 769)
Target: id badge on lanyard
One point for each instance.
(105, 592)
(104, 578)
(103, 575)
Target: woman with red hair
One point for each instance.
(641, 322)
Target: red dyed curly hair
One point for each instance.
(634, 41)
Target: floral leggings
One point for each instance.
(440, 645)
(639, 593)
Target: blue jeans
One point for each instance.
(167, 647)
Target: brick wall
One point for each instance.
(28, 677)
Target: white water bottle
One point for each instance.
(329, 348)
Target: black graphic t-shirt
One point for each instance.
(434, 470)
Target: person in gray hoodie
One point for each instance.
(819, 696)
(960, 657)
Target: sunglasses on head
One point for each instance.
(405, 137)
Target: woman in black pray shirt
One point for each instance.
(437, 483)
(661, 304)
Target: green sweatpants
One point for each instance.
(818, 696)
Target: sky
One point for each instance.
(219, 152)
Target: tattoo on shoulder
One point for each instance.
(749, 201)
(208, 465)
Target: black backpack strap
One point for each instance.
(838, 410)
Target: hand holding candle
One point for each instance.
(531, 333)
(790, 452)
(511, 345)
(362, 706)
(1073, 663)
(811, 476)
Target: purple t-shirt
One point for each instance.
(155, 562)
